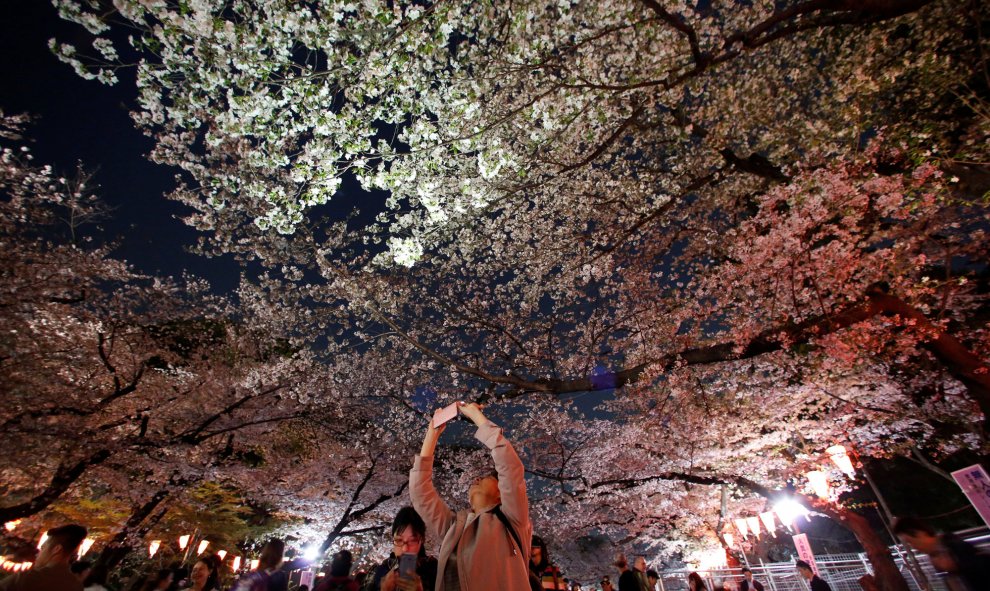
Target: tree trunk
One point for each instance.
(887, 577)
(118, 547)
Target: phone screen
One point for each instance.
(407, 565)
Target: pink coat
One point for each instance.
(487, 556)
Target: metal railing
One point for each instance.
(840, 571)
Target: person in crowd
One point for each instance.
(488, 544)
(268, 564)
(303, 588)
(696, 583)
(97, 578)
(748, 584)
(627, 577)
(160, 580)
(339, 577)
(408, 537)
(51, 567)
(639, 568)
(606, 584)
(205, 574)
(541, 570)
(727, 585)
(81, 569)
(815, 582)
(652, 578)
(962, 562)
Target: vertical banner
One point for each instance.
(306, 578)
(804, 551)
(976, 484)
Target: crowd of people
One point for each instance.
(488, 546)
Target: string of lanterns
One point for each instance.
(788, 510)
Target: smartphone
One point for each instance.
(445, 414)
(407, 565)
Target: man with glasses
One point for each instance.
(408, 535)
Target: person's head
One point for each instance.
(303, 588)
(916, 533)
(159, 581)
(538, 554)
(727, 585)
(695, 583)
(408, 532)
(747, 574)
(620, 561)
(483, 492)
(271, 555)
(652, 577)
(804, 569)
(340, 566)
(639, 563)
(61, 545)
(575, 586)
(205, 573)
(606, 584)
(81, 569)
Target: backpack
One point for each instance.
(535, 584)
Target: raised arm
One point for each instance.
(511, 474)
(425, 499)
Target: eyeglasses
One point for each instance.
(410, 543)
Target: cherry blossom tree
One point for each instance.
(752, 221)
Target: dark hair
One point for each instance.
(212, 562)
(154, 580)
(544, 554)
(303, 588)
(652, 574)
(912, 526)
(802, 564)
(68, 537)
(80, 566)
(408, 517)
(271, 554)
(745, 569)
(699, 583)
(340, 566)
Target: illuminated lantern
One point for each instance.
(237, 564)
(153, 548)
(729, 539)
(44, 538)
(183, 542)
(788, 510)
(11, 525)
(254, 564)
(742, 527)
(85, 546)
(202, 547)
(754, 525)
(818, 481)
(222, 554)
(767, 519)
(841, 459)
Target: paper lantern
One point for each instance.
(153, 548)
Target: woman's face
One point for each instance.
(200, 572)
(536, 555)
(406, 541)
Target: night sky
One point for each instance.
(81, 120)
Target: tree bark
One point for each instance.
(118, 547)
(886, 574)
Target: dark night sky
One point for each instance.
(85, 120)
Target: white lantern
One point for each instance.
(754, 525)
(222, 554)
(818, 481)
(183, 542)
(237, 564)
(841, 459)
(85, 546)
(202, 547)
(742, 527)
(153, 548)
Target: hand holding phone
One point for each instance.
(445, 414)
(407, 565)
